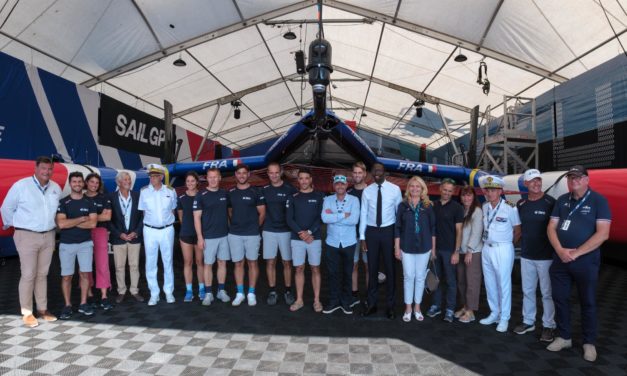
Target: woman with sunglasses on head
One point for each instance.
(414, 243)
(469, 266)
(100, 237)
(188, 239)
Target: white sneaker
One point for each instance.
(239, 298)
(153, 301)
(169, 298)
(223, 296)
(589, 352)
(252, 299)
(502, 326)
(208, 299)
(489, 320)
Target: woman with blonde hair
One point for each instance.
(469, 267)
(414, 243)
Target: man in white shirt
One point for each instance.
(501, 225)
(379, 203)
(30, 207)
(158, 203)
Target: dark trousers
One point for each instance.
(380, 243)
(448, 274)
(584, 272)
(340, 266)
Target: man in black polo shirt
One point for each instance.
(536, 257)
(247, 211)
(76, 216)
(303, 218)
(211, 225)
(449, 218)
(579, 224)
(276, 233)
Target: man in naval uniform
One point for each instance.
(158, 203)
(501, 225)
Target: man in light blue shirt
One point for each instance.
(341, 213)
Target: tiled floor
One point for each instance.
(189, 339)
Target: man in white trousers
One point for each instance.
(501, 225)
(158, 203)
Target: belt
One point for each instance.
(157, 227)
(36, 232)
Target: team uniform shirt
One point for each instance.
(341, 230)
(303, 213)
(157, 205)
(75, 209)
(446, 217)
(214, 217)
(534, 218)
(275, 198)
(245, 217)
(499, 222)
(586, 211)
(30, 206)
(390, 196)
(186, 203)
(102, 202)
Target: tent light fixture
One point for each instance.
(237, 113)
(289, 35)
(179, 62)
(460, 58)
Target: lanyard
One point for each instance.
(578, 205)
(41, 189)
(416, 210)
(125, 203)
(340, 209)
(496, 210)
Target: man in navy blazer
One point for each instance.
(126, 235)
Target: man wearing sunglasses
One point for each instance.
(579, 224)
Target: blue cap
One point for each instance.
(339, 179)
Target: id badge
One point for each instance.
(485, 235)
(565, 225)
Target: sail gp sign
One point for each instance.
(124, 127)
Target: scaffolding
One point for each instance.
(513, 148)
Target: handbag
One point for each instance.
(432, 281)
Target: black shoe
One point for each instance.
(289, 297)
(391, 314)
(331, 308)
(548, 334)
(347, 309)
(272, 298)
(66, 313)
(370, 311)
(106, 304)
(355, 301)
(86, 309)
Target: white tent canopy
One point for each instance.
(394, 52)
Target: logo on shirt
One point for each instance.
(585, 210)
(539, 212)
(501, 219)
(247, 198)
(222, 198)
(84, 209)
(281, 195)
(312, 201)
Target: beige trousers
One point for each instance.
(121, 253)
(35, 251)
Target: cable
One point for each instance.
(612, 27)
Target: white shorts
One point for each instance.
(277, 240)
(311, 251)
(244, 245)
(217, 246)
(69, 252)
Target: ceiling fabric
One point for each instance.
(406, 48)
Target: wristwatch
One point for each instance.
(309, 232)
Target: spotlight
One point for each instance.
(363, 114)
(460, 58)
(236, 112)
(482, 78)
(419, 112)
(297, 113)
(418, 104)
(179, 62)
(289, 35)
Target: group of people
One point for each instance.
(463, 240)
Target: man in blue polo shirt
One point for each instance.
(579, 224)
(341, 213)
(247, 211)
(76, 216)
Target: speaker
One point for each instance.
(299, 56)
